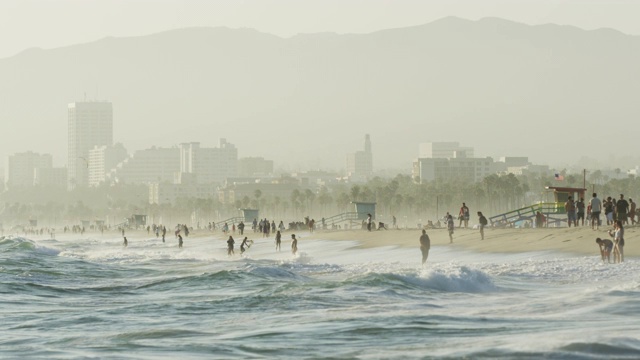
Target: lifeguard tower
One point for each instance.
(361, 212)
(244, 215)
(554, 212)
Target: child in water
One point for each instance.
(125, 243)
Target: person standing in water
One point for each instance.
(425, 245)
(230, 243)
(278, 240)
(125, 243)
(243, 244)
(179, 241)
(164, 232)
(294, 244)
(450, 226)
(483, 223)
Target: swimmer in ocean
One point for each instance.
(294, 244)
(125, 243)
(425, 245)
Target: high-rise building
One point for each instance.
(90, 124)
(360, 163)
(21, 168)
(102, 159)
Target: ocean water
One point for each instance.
(91, 298)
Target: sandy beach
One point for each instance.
(578, 241)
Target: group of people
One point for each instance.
(614, 210)
(246, 244)
(464, 216)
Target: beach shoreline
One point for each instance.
(575, 241)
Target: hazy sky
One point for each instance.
(54, 23)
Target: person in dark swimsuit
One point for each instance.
(243, 244)
(294, 244)
(230, 243)
(425, 245)
(278, 240)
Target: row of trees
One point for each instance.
(400, 196)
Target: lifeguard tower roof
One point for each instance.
(363, 209)
(561, 194)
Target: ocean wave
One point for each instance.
(459, 279)
(19, 244)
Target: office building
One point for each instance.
(90, 124)
(20, 170)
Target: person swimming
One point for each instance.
(230, 243)
(125, 243)
(179, 241)
(294, 244)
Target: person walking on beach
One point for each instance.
(632, 211)
(179, 241)
(483, 223)
(425, 245)
(369, 222)
(608, 210)
(241, 227)
(463, 215)
(278, 240)
(230, 243)
(596, 208)
(540, 218)
(450, 226)
(294, 244)
(622, 208)
(605, 246)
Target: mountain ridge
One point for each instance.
(307, 100)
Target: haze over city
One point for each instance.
(306, 96)
(311, 179)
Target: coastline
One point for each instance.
(576, 241)
(573, 241)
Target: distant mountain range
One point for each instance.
(548, 92)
